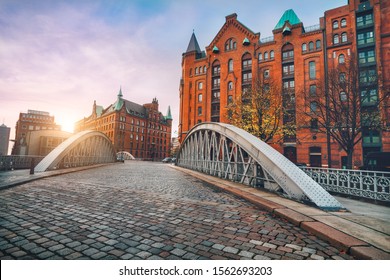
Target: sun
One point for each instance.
(67, 124)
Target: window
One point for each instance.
(335, 24)
(230, 85)
(314, 123)
(344, 37)
(336, 39)
(265, 55)
(313, 107)
(216, 96)
(318, 44)
(196, 71)
(313, 90)
(342, 77)
(369, 96)
(365, 38)
(288, 85)
(367, 76)
(362, 21)
(246, 61)
(260, 56)
(271, 54)
(216, 82)
(371, 136)
(312, 70)
(247, 77)
(230, 99)
(230, 65)
(343, 96)
(200, 98)
(230, 45)
(288, 70)
(311, 46)
(287, 52)
(266, 74)
(216, 68)
(367, 56)
(341, 58)
(304, 47)
(199, 111)
(200, 85)
(343, 22)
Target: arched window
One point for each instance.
(344, 37)
(230, 44)
(311, 46)
(341, 58)
(343, 22)
(336, 39)
(200, 85)
(260, 56)
(230, 65)
(288, 52)
(204, 69)
(246, 61)
(196, 71)
(271, 54)
(200, 97)
(265, 55)
(318, 44)
(304, 47)
(216, 68)
(230, 85)
(335, 24)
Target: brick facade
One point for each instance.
(298, 57)
(141, 130)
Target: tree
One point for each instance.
(259, 111)
(347, 105)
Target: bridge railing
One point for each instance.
(18, 162)
(360, 183)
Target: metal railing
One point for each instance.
(372, 185)
(312, 28)
(267, 39)
(18, 162)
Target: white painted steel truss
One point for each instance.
(81, 149)
(124, 156)
(231, 153)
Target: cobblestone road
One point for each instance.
(143, 210)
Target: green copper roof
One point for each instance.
(169, 115)
(119, 102)
(289, 16)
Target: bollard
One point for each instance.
(32, 166)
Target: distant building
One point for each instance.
(31, 121)
(4, 139)
(141, 130)
(299, 58)
(42, 142)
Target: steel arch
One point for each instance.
(81, 149)
(231, 153)
(125, 155)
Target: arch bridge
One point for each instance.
(231, 153)
(81, 149)
(124, 156)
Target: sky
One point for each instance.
(59, 56)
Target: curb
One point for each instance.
(342, 241)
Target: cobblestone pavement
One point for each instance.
(143, 210)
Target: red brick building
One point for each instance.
(141, 130)
(28, 122)
(298, 57)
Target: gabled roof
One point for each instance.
(290, 17)
(193, 45)
(231, 20)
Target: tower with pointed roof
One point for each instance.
(141, 130)
(298, 58)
